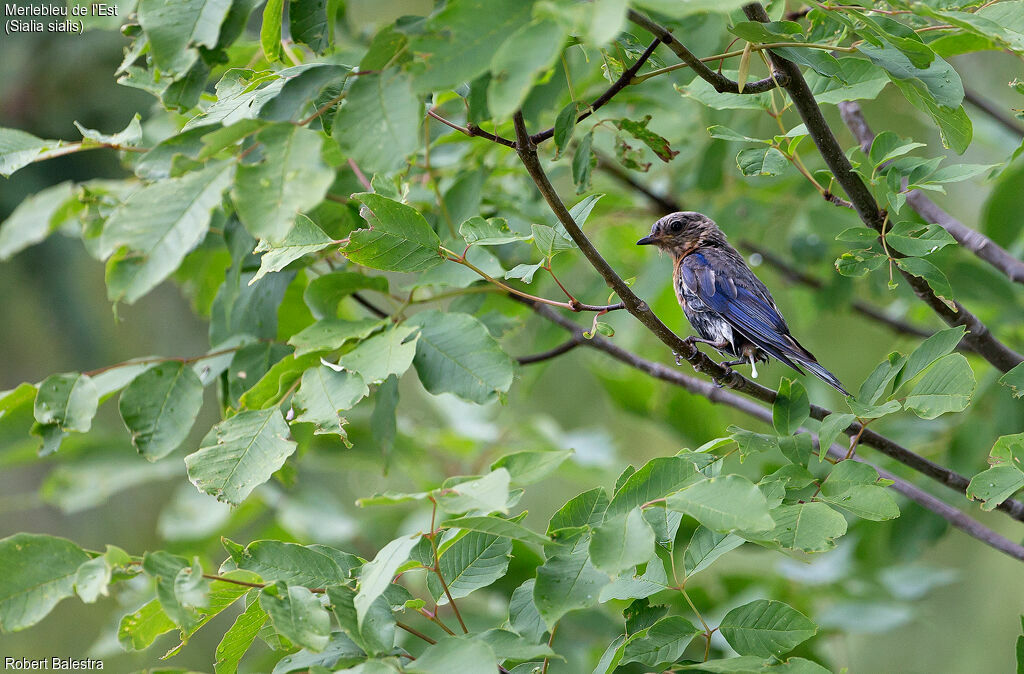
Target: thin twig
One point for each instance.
(995, 112)
(414, 632)
(564, 347)
(161, 359)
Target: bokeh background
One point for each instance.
(947, 604)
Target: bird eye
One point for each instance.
(676, 226)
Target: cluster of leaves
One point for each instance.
(292, 203)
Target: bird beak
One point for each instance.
(646, 241)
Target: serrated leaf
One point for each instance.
(766, 628)
(399, 240)
(376, 575)
(297, 615)
(486, 494)
(325, 393)
(567, 582)
(305, 237)
(387, 353)
(456, 354)
(490, 232)
(238, 638)
(474, 561)
(331, 334)
(723, 503)
(946, 387)
(36, 572)
(531, 466)
(638, 129)
(911, 238)
(811, 527)
(929, 351)
(660, 644)
(289, 562)
(173, 29)
(378, 124)
(622, 542)
(498, 527)
(291, 177)
(240, 453)
(859, 262)
(160, 406)
(453, 654)
(705, 547)
(761, 162)
(1014, 380)
(152, 231)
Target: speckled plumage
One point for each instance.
(727, 305)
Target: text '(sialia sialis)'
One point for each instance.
(725, 303)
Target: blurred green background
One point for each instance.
(56, 318)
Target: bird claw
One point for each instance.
(680, 359)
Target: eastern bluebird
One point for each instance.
(725, 303)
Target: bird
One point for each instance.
(728, 306)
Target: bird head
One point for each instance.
(682, 232)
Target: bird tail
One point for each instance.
(821, 373)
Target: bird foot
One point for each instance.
(680, 358)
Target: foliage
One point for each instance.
(310, 194)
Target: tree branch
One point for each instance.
(720, 82)
(617, 86)
(863, 308)
(978, 336)
(971, 239)
(996, 113)
(665, 204)
(564, 347)
(751, 408)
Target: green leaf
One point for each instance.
(36, 572)
(288, 562)
(1005, 477)
(523, 615)
(524, 55)
(723, 503)
(456, 354)
(639, 130)
(486, 494)
(378, 124)
(308, 23)
(153, 230)
(330, 334)
(238, 638)
(473, 561)
(377, 633)
(752, 443)
(131, 135)
(622, 542)
(324, 293)
(583, 162)
(811, 527)
(705, 547)
(832, 427)
(567, 582)
(878, 381)
(19, 149)
(453, 654)
(290, 177)
(387, 353)
(498, 527)
(34, 219)
(863, 235)
(911, 238)
(759, 161)
(270, 30)
(524, 272)
(725, 133)
(661, 644)
(174, 28)
(586, 509)
(946, 387)
(239, 454)
(305, 237)
(490, 232)
(929, 351)
(462, 38)
(704, 93)
(297, 615)
(766, 628)
(531, 466)
(376, 575)
(655, 479)
(565, 124)
(859, 262)
(791, 407)
(68, 401)
(854, 486)
(160, 406)
(888, 145)
(1014, 380)
(139, 630)
(324, 394)
(509, 645)
(860, 80)
(399, 238)
(273, 386)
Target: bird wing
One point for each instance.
(728, 292)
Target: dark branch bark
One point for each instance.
(665, 204)
(615, 88)
(564, 347)
(751, 408)
(863, 308)
(720, 82)
(972, 240)
(978, 335)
